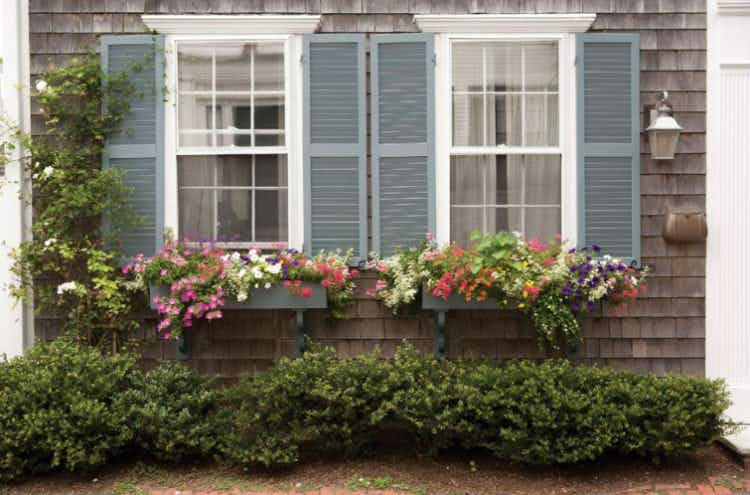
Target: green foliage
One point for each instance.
(60, 407)
(67, 406)
(175, 412)
(71, 261)
(318, 400)
(548, 413)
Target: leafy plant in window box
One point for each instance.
(552, 282)
(188, 283)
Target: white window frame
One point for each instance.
(566, 148)
(559, 27)
(239, 28)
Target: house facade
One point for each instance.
(365, 124)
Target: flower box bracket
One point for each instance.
(440, 308)
(276, 297)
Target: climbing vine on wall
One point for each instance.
(71, 264)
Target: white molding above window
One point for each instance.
(733, 7)
(504, 23)
(232, 24)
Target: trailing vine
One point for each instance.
(71, 264)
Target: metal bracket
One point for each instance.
(300, 335)
(184, 345)
(439, 337)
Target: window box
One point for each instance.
(277, 297)
(455, 301)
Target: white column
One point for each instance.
(14, 50)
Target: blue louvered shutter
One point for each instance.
(402, 79)
(335, 144)
(138, 147)
(609, 143)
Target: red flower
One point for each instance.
(306, 292)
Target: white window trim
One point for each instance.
(232, 24)
(293, 79)
(505, 23)
(444, 119)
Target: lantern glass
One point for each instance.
(663, 143)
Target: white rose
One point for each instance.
(41, 85)
(66, 287)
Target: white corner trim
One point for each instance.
(232, 24)
(733, 7)
(504, 23)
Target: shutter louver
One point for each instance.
(138, 147)
(402, 76)
(335, 153)
(609, 143)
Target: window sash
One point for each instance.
(215, 149)
(484, 92)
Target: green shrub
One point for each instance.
(60, 408)
(547, 413)
(175, 414)
(319, 400)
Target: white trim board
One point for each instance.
(232, 24)
(504, 23)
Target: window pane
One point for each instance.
(468, 177)
(505, 220)
(196, 214)
(194, 112)
(269, 112)
(463, 221)
(194, 68)
(234, 170)
(543, 223)
(232, 112)
(270, 171)
(542, 179)
(542, 120)
(467, 66)
(504, 120)
(540, 60)
(271, 225)
(468, 121)
(505, 184)
(233, 67)
(235, 216)
(196, 171)
(503, 61)
(269, 67)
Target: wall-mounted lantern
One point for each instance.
(664, 130)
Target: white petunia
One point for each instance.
(50, 242)
(48, 170)
(257, 272)
(41, 85)
(268, 285)
(253, 255)
(66, 287)
(241, 296)
(274, 269)
(235, 256)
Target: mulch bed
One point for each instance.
(453, 473)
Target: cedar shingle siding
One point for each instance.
(662, 332)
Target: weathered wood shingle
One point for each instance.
(662, 332)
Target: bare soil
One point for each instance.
(453, 473)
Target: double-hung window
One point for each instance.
(505, 153)
(232, 142)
